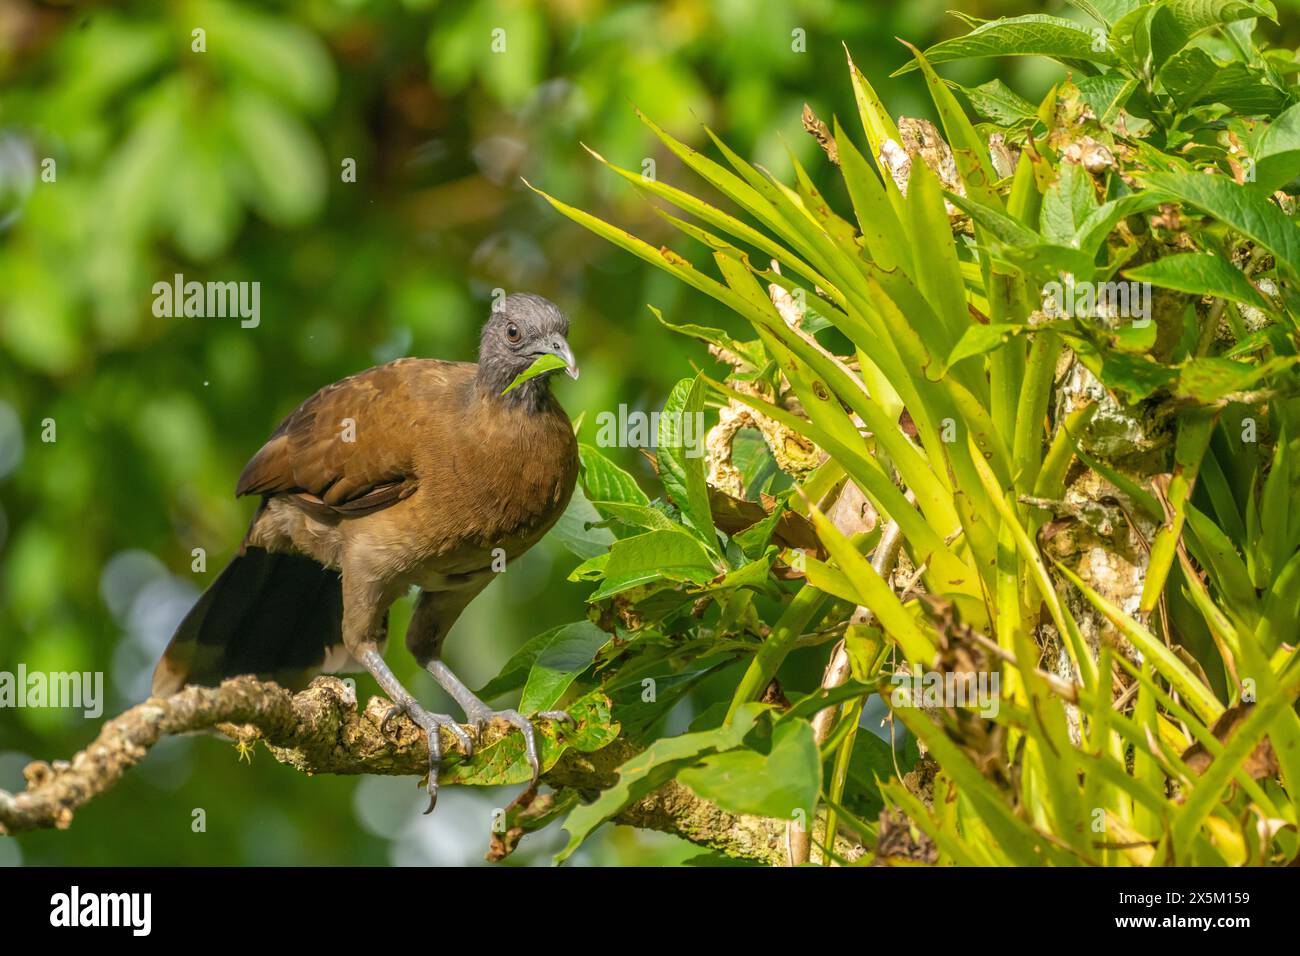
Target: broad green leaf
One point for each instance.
(651, 768)
(1193, 16)
(506, 761)
(514, 673)
(1239, 207)
(981, 339)
(1200, 274)
(754, 540)
(1068, 204)
(605, 481)
(779, 783)
(1031, 35)
(1106, 94)
(654, 556)
(558, 663)
(1094, 230)
(1193, 77)
(998, 102)
(576, 532)
(1277, 156)
(639, 516)
(1212, 379)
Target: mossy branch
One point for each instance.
(320, 730)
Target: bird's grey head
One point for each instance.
(521, 329)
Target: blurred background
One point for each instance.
(128, 155)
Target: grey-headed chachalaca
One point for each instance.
(419, 473)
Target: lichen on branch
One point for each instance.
(320, 730)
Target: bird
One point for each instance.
(418, 474)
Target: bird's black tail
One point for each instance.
(278, 616)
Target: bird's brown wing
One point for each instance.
(349, 449)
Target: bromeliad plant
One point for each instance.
(1053, 357)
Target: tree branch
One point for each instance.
(319, 730)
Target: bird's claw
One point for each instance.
(432, 725)
(480, 719)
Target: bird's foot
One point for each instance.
(479, 718)
(432, 725)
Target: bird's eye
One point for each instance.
(512, 332)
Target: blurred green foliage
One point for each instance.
(133, 148)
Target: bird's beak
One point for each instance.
(561, 348)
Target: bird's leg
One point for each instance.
(404, 703)
(479, 714)
(435, 613)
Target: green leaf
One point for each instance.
(1094, 230)
(874, 208)
(777, 784)
(541, 365)
(1216, 552)
(1194, 692)
(1280, 617)
(1193, 16)
(638, 516)
(1014, 837)
(1200, 274)
(1277, 500)
(1277, 156)
(605, 481)
(1212, 379)
(514, 673)
(980, 339)
(998, 102)
(1193, 77)
(1067, 204)
(651, 768)
(1105, 93)
(1032, 35)
(1208, 790)
(1243, 209)
(506, 761)
(877, 122)
(754, 540)
(707, 213)
(872, 592)
(673, 556)
(681, 459)
(558, 663)
(576, 532)
(970, 150)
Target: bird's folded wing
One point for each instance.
(350, 448)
